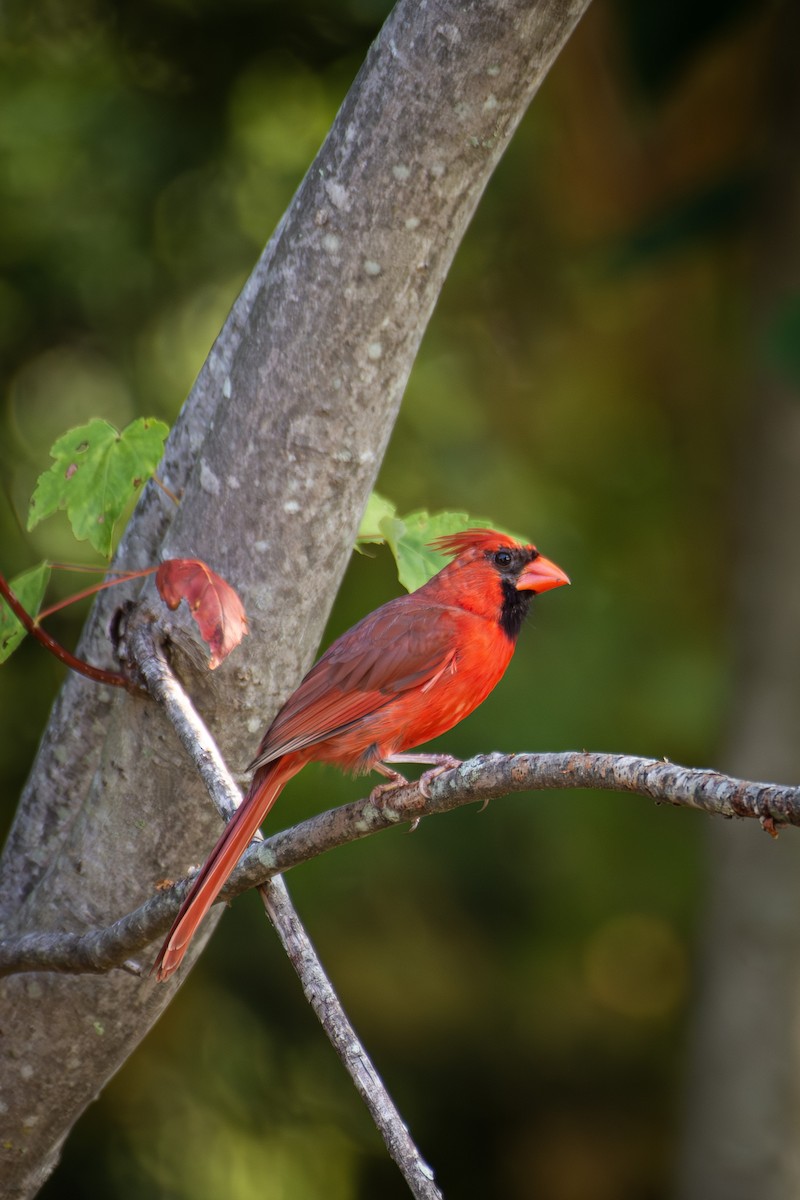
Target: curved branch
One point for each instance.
(486, 777)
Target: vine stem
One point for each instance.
(97, 674)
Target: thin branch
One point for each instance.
(319, 992)
(143, 650)
(317, 988)
(486, 777)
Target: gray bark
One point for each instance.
(743, 1107)
(275, 453)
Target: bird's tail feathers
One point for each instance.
(266, 786)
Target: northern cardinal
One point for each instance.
(406, 673)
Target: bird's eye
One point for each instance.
(502, 558)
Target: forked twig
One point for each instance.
(165, 689)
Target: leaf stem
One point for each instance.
(167, 492)
(122, 577)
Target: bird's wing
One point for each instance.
(402, 645)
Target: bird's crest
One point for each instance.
(473, 539)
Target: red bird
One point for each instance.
(406, 673)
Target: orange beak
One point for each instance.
(541, 576)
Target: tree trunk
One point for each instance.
(274, 456)
(743, 1112)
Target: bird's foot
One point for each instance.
(384, 790)
(444, 762)
(380, 790)
(438, 762)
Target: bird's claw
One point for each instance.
(385, 789)
(446, 763)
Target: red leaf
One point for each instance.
(213, 603)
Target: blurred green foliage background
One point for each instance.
(522, 976)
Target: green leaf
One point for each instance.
(408, 539)
(378, 509)
(29, 588)
(97, 471)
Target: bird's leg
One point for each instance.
(440, 760)
(396, 780)
(439, 763)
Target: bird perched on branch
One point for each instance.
(406, 673)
